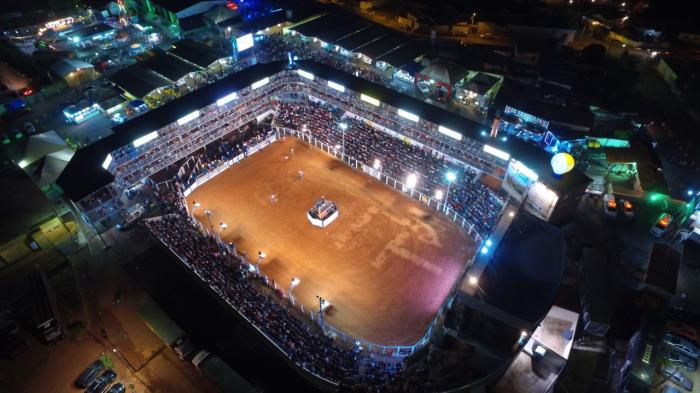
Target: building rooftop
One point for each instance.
(362, 38)
(138, 81)
(196, 52)
(89, 31)
(169, 66)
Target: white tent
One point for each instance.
(45, 157)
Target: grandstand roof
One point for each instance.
(362, 38)
(138, 81)
(386, 44)
(169, 66)
(405, 54)
(197, 53)
(350, 27)
(84, 173)
(523, 276)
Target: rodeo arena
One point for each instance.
(372, 241)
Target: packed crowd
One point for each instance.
(398, 158)
(228, 275)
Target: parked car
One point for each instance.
(662, 225)
(89, 374)
(670, 389)
(627, 208)
(680, 360)
(683, 330)
(609, 206)
(681, 345)
(676, 376)
(100, 384)
(117, 388)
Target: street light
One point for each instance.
(343, 127)
(473, 16)
(209, 213)
(451, 176)
(295, 282)
(320, 309)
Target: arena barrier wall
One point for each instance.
(397, 351)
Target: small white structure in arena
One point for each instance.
(322, 213)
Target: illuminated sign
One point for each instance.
(336, 86)
(648, 350)
(260, 83)
(59, 23)
(408, 115)
(145, 139)
(369, 100)
(244, 42)
(452, 134)
(226, 99)
(496, 152)
(306, 75)
(529, 173)
(107, 161)
(187, 118)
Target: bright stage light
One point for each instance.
(369, 100)
(146, 138)
(411, 181)
(484, 250)
(336, 86)
(408, 115)
(473, 281)
(107, 161)
(306, 74)
(452, 134)
(562, 163)
(496, 152)
(488, 242)
(260, 83)
(188, 118)
(226, 99)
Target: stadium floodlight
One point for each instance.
(262, 82)
(496, 152)
(411, 181)
(473, 281)
(488, 242)
(226, 99)
(438, 194)
(369, 100)
(188, 118)
(511, 214)
(451, 133)
(484, 250)
(107, 161)
(146, 138)
(336, 86)
(343, 126)
(451, 176)
(408, 115)
(306, 74)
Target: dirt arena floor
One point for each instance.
(386, 263)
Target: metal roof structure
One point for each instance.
(84, 173)
(196, 52)
(139, 81)
(341, 31)
(363, 38)
(383, 46)
(405, 54)
(169, 66)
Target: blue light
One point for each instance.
(483, 133)
(504, 139)
(690, 192)
(488, 243)
(484, 250)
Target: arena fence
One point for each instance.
(397, 351)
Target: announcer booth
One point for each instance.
(546, 186)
